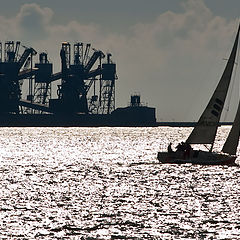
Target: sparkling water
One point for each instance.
(106, 183)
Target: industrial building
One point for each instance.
(85, 89)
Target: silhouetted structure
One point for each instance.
(136, 113)
(85, 94)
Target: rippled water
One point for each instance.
(105, 183)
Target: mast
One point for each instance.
(205, 130)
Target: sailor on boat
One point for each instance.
(183, 147)
(170, 148)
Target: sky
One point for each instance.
(170, 52)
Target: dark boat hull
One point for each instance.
(196, 157)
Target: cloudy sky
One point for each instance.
(170, 51)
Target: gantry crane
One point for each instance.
(85, 74)
(10, 75)
(87, 83)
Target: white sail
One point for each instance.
(231, 143)
(206, 128)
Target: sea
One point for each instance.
(106, 183)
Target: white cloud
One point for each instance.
(174, 61)
(32, 22)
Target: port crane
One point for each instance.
(87, 81)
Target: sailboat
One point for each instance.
(205, 130)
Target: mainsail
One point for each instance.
(206, 128)
(231, 143)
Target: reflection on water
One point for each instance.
(105, 183)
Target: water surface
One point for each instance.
(105, 183)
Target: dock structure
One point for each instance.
(84, 89)
(86, 80)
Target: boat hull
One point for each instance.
(196, 157)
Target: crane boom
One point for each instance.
(27, 52)
(92, 60)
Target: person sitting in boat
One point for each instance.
(170, 148)
(187, 151)
(181, 147)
